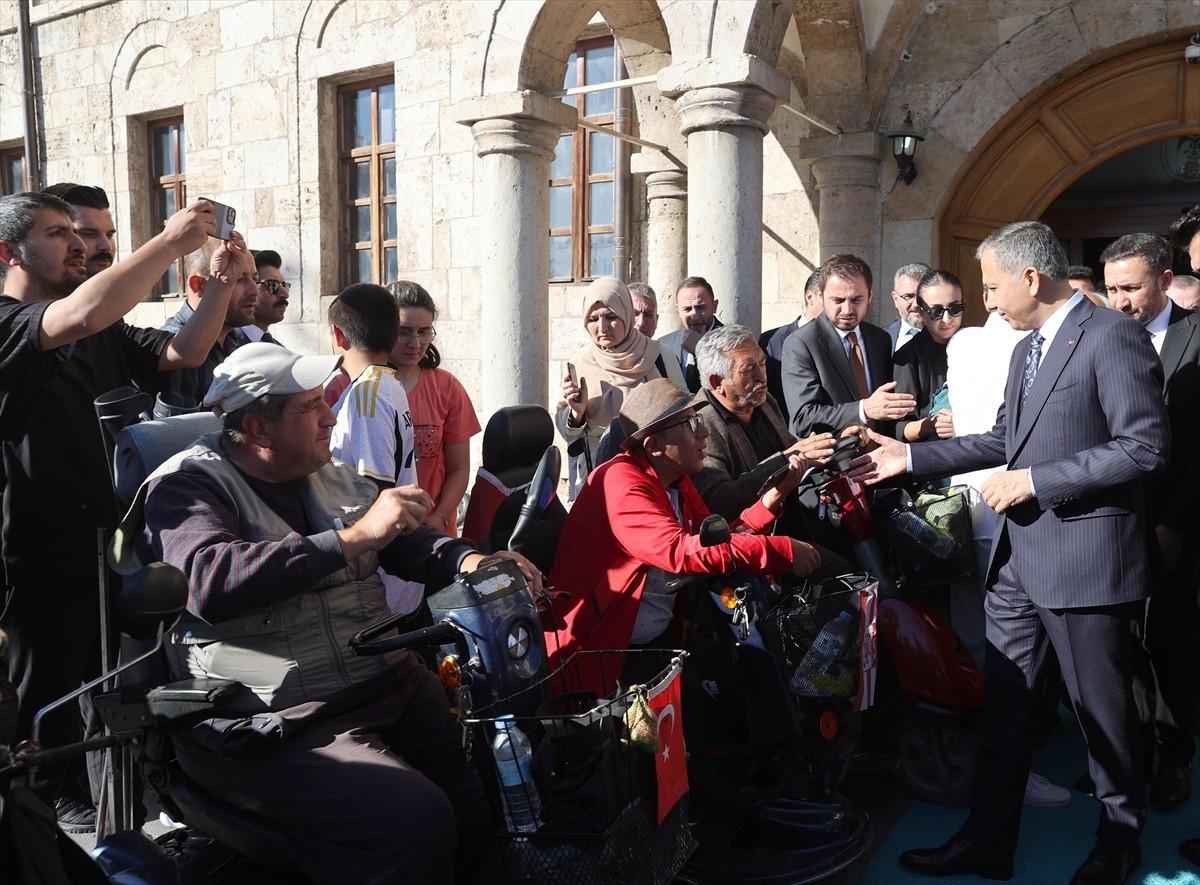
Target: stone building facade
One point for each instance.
(760, 138)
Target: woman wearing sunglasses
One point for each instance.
(920, 365)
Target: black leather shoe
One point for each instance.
(957, 856)
(1107, 865)
(1085, 784)
(1172, 786)
(1190, 849)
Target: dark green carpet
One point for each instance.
(1054, 841)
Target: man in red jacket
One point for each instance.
(635, 526)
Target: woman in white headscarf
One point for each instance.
(616, 359)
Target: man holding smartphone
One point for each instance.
(62, 344)
(183, 390)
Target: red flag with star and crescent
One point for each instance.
(670, 762)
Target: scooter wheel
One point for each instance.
(936, 759)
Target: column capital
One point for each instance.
(831, 172)
(516, 122)
(666, 184)
(728, 91)
(848, 144)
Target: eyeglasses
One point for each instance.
(423, 335)
(694, 424)
(273, 286)
(907, 296)
(936, 312)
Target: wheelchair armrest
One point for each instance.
(189, 696)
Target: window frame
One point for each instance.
(581, 178)
(161, 183)
(376, 155)
(7, 155)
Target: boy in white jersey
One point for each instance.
(374, 431)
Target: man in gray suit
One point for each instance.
(1082, 425)
(837, 370)
(697, 307)
(904, 296)
(1137, 272)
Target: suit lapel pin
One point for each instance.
(1070, 342)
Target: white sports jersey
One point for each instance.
(374, 431)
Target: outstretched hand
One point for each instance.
(888, 460)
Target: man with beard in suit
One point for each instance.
(837, 370)
(1137, 272)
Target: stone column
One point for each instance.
(723, 107)
(515, 136)
(666, 231)
(846, 171)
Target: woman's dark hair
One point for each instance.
(410, 294)
(938, 277)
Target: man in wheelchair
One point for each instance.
(357, 760)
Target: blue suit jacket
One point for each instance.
(1092, 428)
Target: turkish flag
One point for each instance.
(670, 762)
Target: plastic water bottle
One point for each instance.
(820, 673)
(929, 538)
(513, 754)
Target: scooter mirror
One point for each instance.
(714, 530)
(542, 490)
(152, 598)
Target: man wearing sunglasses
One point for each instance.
(273, 292)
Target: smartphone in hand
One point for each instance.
(226, 217)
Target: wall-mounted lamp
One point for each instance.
(904, 146)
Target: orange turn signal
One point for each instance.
(828, 724)
(449, 671)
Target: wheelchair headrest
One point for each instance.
(142, 447)
(516, 436)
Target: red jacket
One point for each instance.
(621, 524)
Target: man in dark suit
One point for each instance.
(697, 308)
(837, 370)
(771, 341)
(1137, 272)
(904, 296)
(1082, 425)
(1185, 235)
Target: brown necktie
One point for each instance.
(857, 368)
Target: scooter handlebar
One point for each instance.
(364, 643)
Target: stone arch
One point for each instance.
(146, 36)
(1030, 158)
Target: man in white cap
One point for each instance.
(357, 760)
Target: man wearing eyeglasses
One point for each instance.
(273, 292)
(904, 296)
(636, 523)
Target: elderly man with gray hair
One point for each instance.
(749, 439)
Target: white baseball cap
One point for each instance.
(256, 369)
